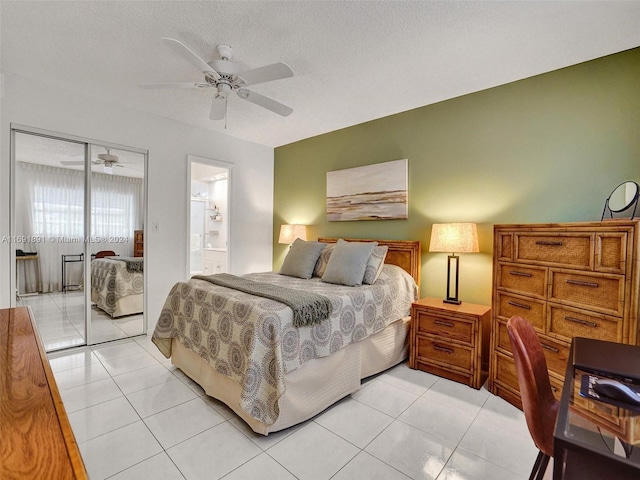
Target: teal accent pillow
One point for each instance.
(348, 262)
(301, 259)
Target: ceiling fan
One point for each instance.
(107, 159)
(226, 77)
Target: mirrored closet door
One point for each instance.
(78, 216)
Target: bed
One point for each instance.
(244, 350)
(117, 285)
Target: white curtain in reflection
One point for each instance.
(50, 217)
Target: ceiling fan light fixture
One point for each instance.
(108, 168)
(227, 77)
(108, 158)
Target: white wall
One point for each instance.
(35, 104)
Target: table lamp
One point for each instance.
(289, 233)
(454, 238)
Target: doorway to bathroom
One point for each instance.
(208, 216)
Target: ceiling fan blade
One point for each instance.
(174, 85)
(186, 53)
(267, 73)
(265, 102)
(218, 107)
(71, 162)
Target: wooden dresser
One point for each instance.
(36, 440)
(138, 243)
(569, 280)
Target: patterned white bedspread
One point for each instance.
(111, 281)
(252, 339)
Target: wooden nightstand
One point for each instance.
(451, 341)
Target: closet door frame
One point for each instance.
(88, 144)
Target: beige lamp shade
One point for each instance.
(454, 238)
(288, 233)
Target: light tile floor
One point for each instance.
(60, 320)
(137, 416)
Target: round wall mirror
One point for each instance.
(623, 197)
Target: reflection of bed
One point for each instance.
(280, 375)
(117, 285)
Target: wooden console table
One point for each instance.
(36, 437)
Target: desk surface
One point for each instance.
(37, 440)
(594, 439)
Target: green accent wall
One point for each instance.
(549, 148)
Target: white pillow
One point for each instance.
(301, 258)
(375, 264)
(348, 263)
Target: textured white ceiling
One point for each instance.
(353, 61)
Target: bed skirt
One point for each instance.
(133, 304)
(313, 387)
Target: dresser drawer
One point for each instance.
(505, 369)
(556, 353)
(601, 292)
(568, 322)
(575, 250)
(444, 326)
(522, 279)
(611, 252)
(531, 309)
(502, 337)
(432, 350)
(504, 247)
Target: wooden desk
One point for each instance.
(36, 440)
(594, 439)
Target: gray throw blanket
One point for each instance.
(308, 308)
(134, 264)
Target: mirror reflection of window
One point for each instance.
(49, 212)
(117, 215)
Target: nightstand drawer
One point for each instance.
(571, 250)
(602, 292)
(430, 349)
(444, 326)
(523, 279)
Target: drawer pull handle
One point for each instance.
(582, 283)
(443, 323)
(520, 274)
(519, 305)
(549, 243)
(438, 348)
(550, 348)
(582, 322)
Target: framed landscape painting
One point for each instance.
(372, 192)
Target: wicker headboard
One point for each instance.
(403, 253)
